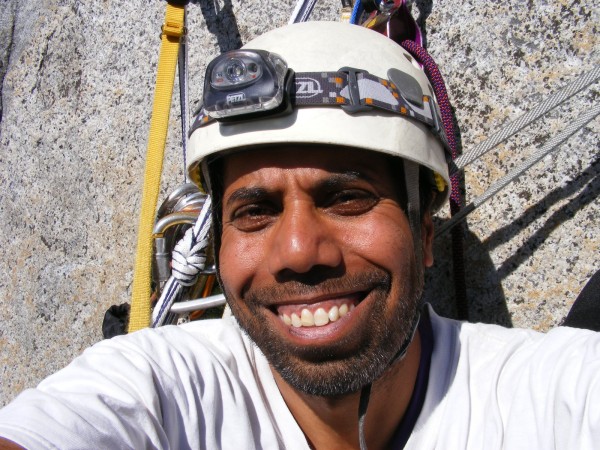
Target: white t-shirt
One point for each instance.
(206, 385)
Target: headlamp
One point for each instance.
(247, 84)
(244, 82)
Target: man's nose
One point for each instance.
(301, 239)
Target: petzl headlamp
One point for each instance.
(244, 82)
(247, 84)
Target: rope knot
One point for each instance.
(189, 258)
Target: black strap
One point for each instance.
(417, 399)
(365, 393)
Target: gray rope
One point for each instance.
(182, 62)
(549, 147)
(302, 11)
(539, 110)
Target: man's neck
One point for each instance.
(332, 423)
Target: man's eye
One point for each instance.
(252, 217)
(351, 202)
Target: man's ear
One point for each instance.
(427, 238)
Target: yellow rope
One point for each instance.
(172, 31)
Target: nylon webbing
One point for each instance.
(411, 181)
(552, 145)
(538, 111)
(358, 90)
(172, 31)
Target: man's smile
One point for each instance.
(326, 320)
(300, 306)
(318, 311)
(315, 315)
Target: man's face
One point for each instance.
(317, 263)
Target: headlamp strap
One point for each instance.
(355, 91)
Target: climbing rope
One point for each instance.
(552, 145)
(535, 113)
(189, 259)
(182, 63)
(439, 87)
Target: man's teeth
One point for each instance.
(317, 319)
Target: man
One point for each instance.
(322, 227)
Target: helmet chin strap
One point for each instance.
(365, 392)
(411, 180)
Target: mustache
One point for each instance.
(374, 279)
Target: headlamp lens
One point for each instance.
(235, 70)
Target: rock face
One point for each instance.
(77, 81)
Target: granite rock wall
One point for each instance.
(77, 78)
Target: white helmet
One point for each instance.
(402, 119)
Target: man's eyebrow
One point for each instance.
(332, 182)
(341, 179)
(246, 193)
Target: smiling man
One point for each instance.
(321, 148)
(327, 287)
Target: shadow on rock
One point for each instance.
(588, 181)
(486, 300)
(221, 22)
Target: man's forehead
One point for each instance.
(346, 162)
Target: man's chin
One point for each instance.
(336, 369)
(331, 378)
(352, 354)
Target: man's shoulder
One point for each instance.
(496, 386)
(199, 341)
(495, 337)
(167, 358)
(499, 355)
(148, 388)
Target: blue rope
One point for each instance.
(356, 12)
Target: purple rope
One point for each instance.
(456, 203)
(439, 87)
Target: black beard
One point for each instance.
(327, 371)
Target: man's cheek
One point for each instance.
(238, 267)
